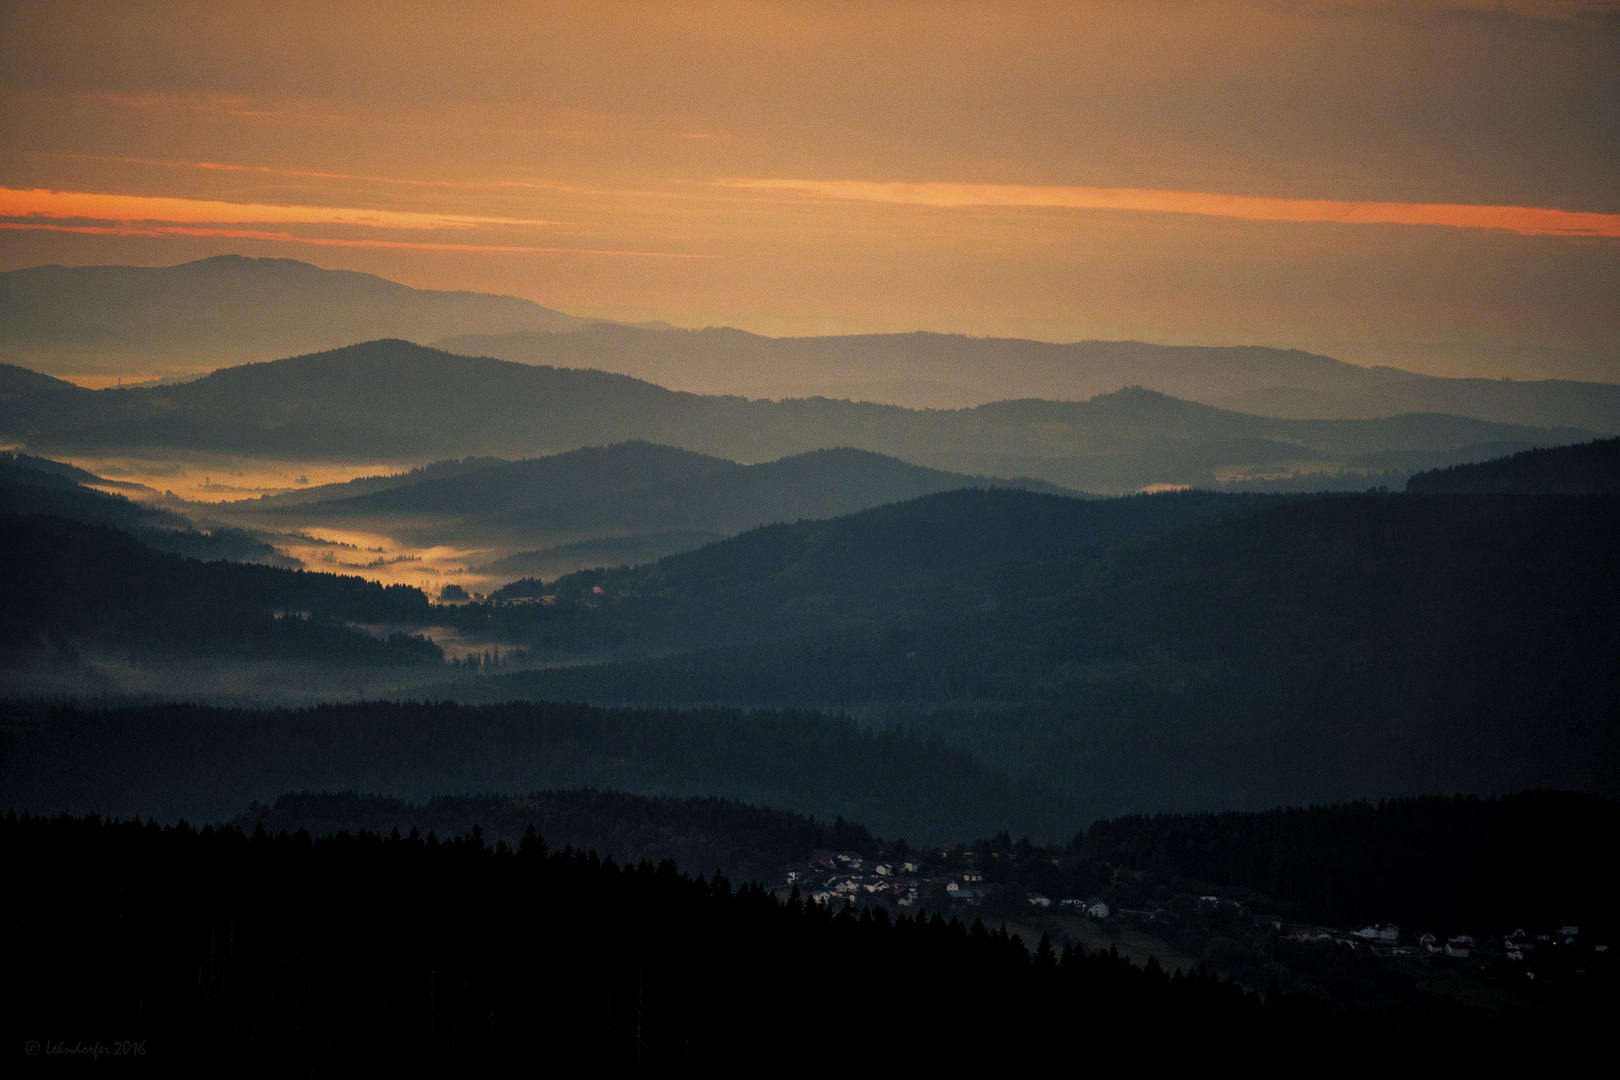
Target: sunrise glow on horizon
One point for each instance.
(1428, 186)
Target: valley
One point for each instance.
(408, 575)
(758, 537)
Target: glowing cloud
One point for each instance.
(328, 241)
(96, 206)
(1527, 220)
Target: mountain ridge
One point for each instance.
(232, 308)
(957, 371)
(155, 322)
(393, 400)
(627, 489)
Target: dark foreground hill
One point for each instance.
(1430, 863)
(179, 945)
(30, 485)
(1433, 863)
(743, 841)
(394, 401)
(1188, 651)
(205, 764)
(1586, 469)
(1184, 651)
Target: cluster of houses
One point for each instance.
(834, 877)
(1385, 939)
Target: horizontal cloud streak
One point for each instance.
(1527, 220)
(96, 206)
(328, 241)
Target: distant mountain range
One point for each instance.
(228, 310)
(391, 400)
(143, 322)
(949, 371)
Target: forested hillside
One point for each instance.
(1187, 651)
(745, 842)
(361, 948)
(76, 585)
(1431, 862)
(205, 764)
(1585, 469)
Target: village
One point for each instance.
(1222, 933)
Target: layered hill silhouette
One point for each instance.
(1189, 650)
(924, 370)
(228, 310)
(392, 400)
(1184, 650)
(83, 598)
(630, 490)
(38, 486)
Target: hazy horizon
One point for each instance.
(1425, 186)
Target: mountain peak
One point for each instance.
(250, 263)
(1136, 394)
(225, 310)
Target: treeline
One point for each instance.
(219, 945)
(206, 764)
(743, 841)
(1584, 469)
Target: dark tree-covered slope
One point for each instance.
(84, 584)
(31, 485)
(1185, 650)
(1585, 469)
(1425, 863)
(215, 946)
(206, 764)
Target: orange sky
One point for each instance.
(1430, 186)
